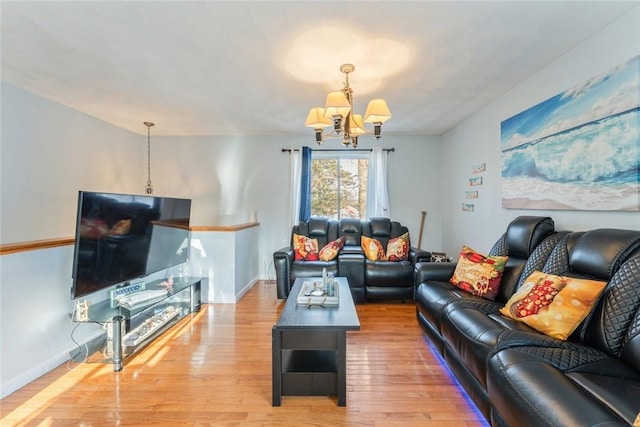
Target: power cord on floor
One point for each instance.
(267, 268)
(79, 347)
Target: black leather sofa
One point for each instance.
(367, 279)
(518, 376)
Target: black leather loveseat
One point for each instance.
(379, 279)
(518, 376)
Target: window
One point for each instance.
(339, 185)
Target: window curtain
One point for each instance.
(294, 195)
(305, 185)
(377, 195)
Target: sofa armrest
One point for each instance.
(282, 259)
(418, 255)
(440, 271)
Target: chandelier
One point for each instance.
(338, 112)
(148, 189)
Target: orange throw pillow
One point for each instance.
(372, 248)
(553, 305)
(305, 248)
(478, 274)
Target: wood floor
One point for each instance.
(214, 368)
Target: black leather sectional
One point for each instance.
(367, 279)
(517, 376)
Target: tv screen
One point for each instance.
(120, 237)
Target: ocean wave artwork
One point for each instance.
(579, 150)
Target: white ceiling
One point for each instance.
(252, 67)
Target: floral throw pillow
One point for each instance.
(478, 274)
(553, 305)
(372, 248)
(305, 248)
(398, 248)
(331, 249)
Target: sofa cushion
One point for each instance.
(478, 274)
(351, 230)
(523, 237)
(600, 253)
(305, 248)
(331, 249)
(524, 386)
(373, 249)
(553, 305)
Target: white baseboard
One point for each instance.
(6, 388)
(246, 288)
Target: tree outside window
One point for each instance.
(339, 186)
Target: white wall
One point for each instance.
(477, 140)
(49, 153)
(227, 260)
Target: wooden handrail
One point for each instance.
(12, 248)
(224, 227)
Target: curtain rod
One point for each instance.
(288, 150)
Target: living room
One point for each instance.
(51, 151)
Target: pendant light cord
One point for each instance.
(149, 189)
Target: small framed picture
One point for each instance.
(475, 181)
(439, 257)
(467, 207)
(471, 194)
(479, 167)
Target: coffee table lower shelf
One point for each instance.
(309, 363)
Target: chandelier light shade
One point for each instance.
(336, 104)
(338, 111)
(317, 121)
(377, 113)
(149, 188)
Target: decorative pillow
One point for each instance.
(553, 305)
(372, 248)
(398, 248)
(305, 248)
(121, 228)
(331, 249)
(93, 228)
(478, 274)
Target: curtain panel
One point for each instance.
(294, 194)
(305, 185)
(377, 195)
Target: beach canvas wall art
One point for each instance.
(579, 150)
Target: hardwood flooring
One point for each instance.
(214, 368)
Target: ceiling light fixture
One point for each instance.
(338, 111)
(148, 189)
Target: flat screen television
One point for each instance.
(121, 237)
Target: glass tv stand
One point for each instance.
(131, 329)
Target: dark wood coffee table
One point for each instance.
(310, 346)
